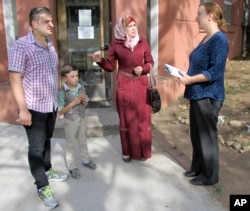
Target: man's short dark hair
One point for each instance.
(35, 12)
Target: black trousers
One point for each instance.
(203, 132)
(39, 151)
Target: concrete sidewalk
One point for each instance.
(156, 184)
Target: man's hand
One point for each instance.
(24, 117)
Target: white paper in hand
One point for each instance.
(173, 71)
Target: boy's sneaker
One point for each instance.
(45, 194)
(74, 173)
(89, 165)
(56, 176)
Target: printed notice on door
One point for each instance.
(85, 18)
(85, 32)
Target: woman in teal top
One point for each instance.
(205, 89)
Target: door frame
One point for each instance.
(63, 46)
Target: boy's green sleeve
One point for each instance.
(61, 101)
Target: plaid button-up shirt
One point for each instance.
(38, 66)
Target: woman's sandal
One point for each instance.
(89, 165)
(126, 159)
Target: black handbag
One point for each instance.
(154, 96)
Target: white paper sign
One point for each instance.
(85, 32)
(85, 18)
(173, 71)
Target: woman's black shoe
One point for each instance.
(190, 173)
(126, 159)
(197, 181)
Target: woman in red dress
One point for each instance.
(134, 63)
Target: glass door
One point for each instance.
(87, 30)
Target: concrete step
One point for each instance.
(100, 122)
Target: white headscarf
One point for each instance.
(120, 33)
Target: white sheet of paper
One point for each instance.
(85, 32)
(173, 71)
(85, 18)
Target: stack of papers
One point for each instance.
(173, 71)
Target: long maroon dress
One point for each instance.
(131, 96)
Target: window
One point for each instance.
(227, 10)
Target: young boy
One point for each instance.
(72, 101)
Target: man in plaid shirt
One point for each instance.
(33, 75)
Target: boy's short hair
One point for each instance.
(67, 68)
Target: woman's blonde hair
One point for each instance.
(215, 9)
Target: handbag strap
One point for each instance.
(152, 79)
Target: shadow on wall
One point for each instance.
(8, 105)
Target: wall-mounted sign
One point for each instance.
(85, 32)
(85, 18)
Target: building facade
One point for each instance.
(86, 26)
